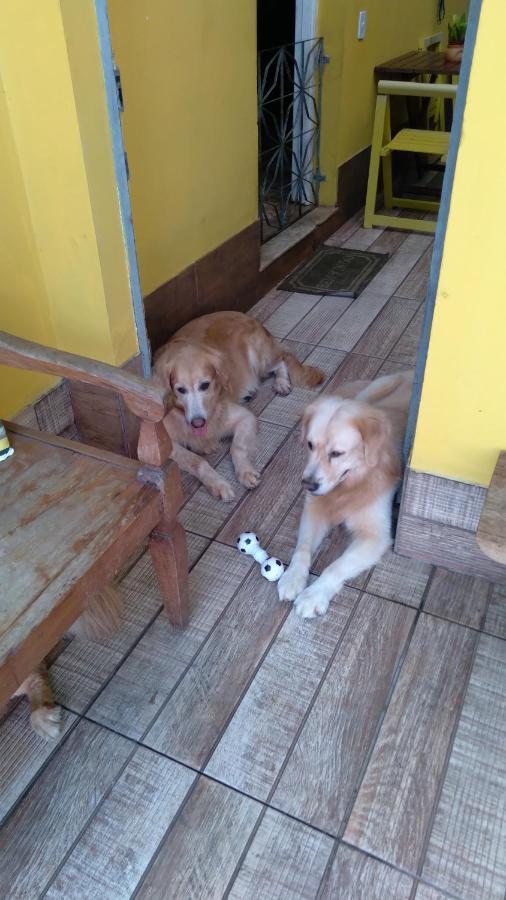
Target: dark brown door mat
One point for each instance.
(335, 271)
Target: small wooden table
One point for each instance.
(416, 63)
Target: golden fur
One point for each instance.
(212, 365)
(353, 468)
(100, 619)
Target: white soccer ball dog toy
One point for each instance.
(270, 567)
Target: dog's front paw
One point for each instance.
(292, 582)
(312, 602)
(222, 490)
(249, 478)
(282, 387)
(46, 721)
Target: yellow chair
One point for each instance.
(411, 140)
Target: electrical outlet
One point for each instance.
(362, 22)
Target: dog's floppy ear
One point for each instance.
(162, 372)
(375, 429)
(218, 362)
(307, 415)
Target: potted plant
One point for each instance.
(456, 36)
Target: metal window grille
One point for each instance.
(289, 116)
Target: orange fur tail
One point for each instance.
(302, 376)
(101, 617)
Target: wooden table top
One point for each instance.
(417, 62)
(60, 511)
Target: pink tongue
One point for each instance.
(200, 431)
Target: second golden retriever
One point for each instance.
(211, 365)
(354, 465)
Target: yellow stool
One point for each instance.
(411, 140)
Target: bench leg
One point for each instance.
(169, 553)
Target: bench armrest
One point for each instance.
(145, 399)
(417, 89)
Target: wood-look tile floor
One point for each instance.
(253, 755)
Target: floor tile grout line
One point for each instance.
(389, 297)
(188, 665)
(262, 802)
(10, 812)
(236, 505)
(442, 778)
(154, 856)
(383, 712)
(83, 714)
(336, 322)
(269, 806)
(381, 717)
(132, 647)
(90, 818)
(295, 739)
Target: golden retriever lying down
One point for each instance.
(354, 465)
(211, 365)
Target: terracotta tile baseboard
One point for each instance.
(437, 524)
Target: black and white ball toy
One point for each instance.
(270, 567)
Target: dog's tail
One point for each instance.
(101, 617)
(302, 376)
(382, 387)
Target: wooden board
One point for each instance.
(70, 510)
(357, 318)
(84, 667)
(122, 837)
(406, 348)
(382, 335)
(394, 805)
(269, 303)
(285, 860)
(461, 598)
(50, 817)
(495, 621)
(398, 578)
(414, 287)
(465, 853)
(314, 326)
(491, 534)
(290, 313)
(23, 753)
(355, 876)
(192, 721)
(139, 688)
(255, 744)
(320, 778)
(263, 509)
(199, 855)
(204, 514)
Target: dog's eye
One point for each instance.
(181, 390)
(204, 386)
(336, 453)
(310, 445)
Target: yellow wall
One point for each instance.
(462, 421)
(65, 227)
(189, 82)
(349, 85)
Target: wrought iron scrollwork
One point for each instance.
(289, 117)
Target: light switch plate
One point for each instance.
(362, 22)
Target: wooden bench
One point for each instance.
(71, 515)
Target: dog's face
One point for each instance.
(342, 437)
(197, 381)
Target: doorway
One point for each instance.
(290, 66)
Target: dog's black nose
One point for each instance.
(310, 486)
(198, 423)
